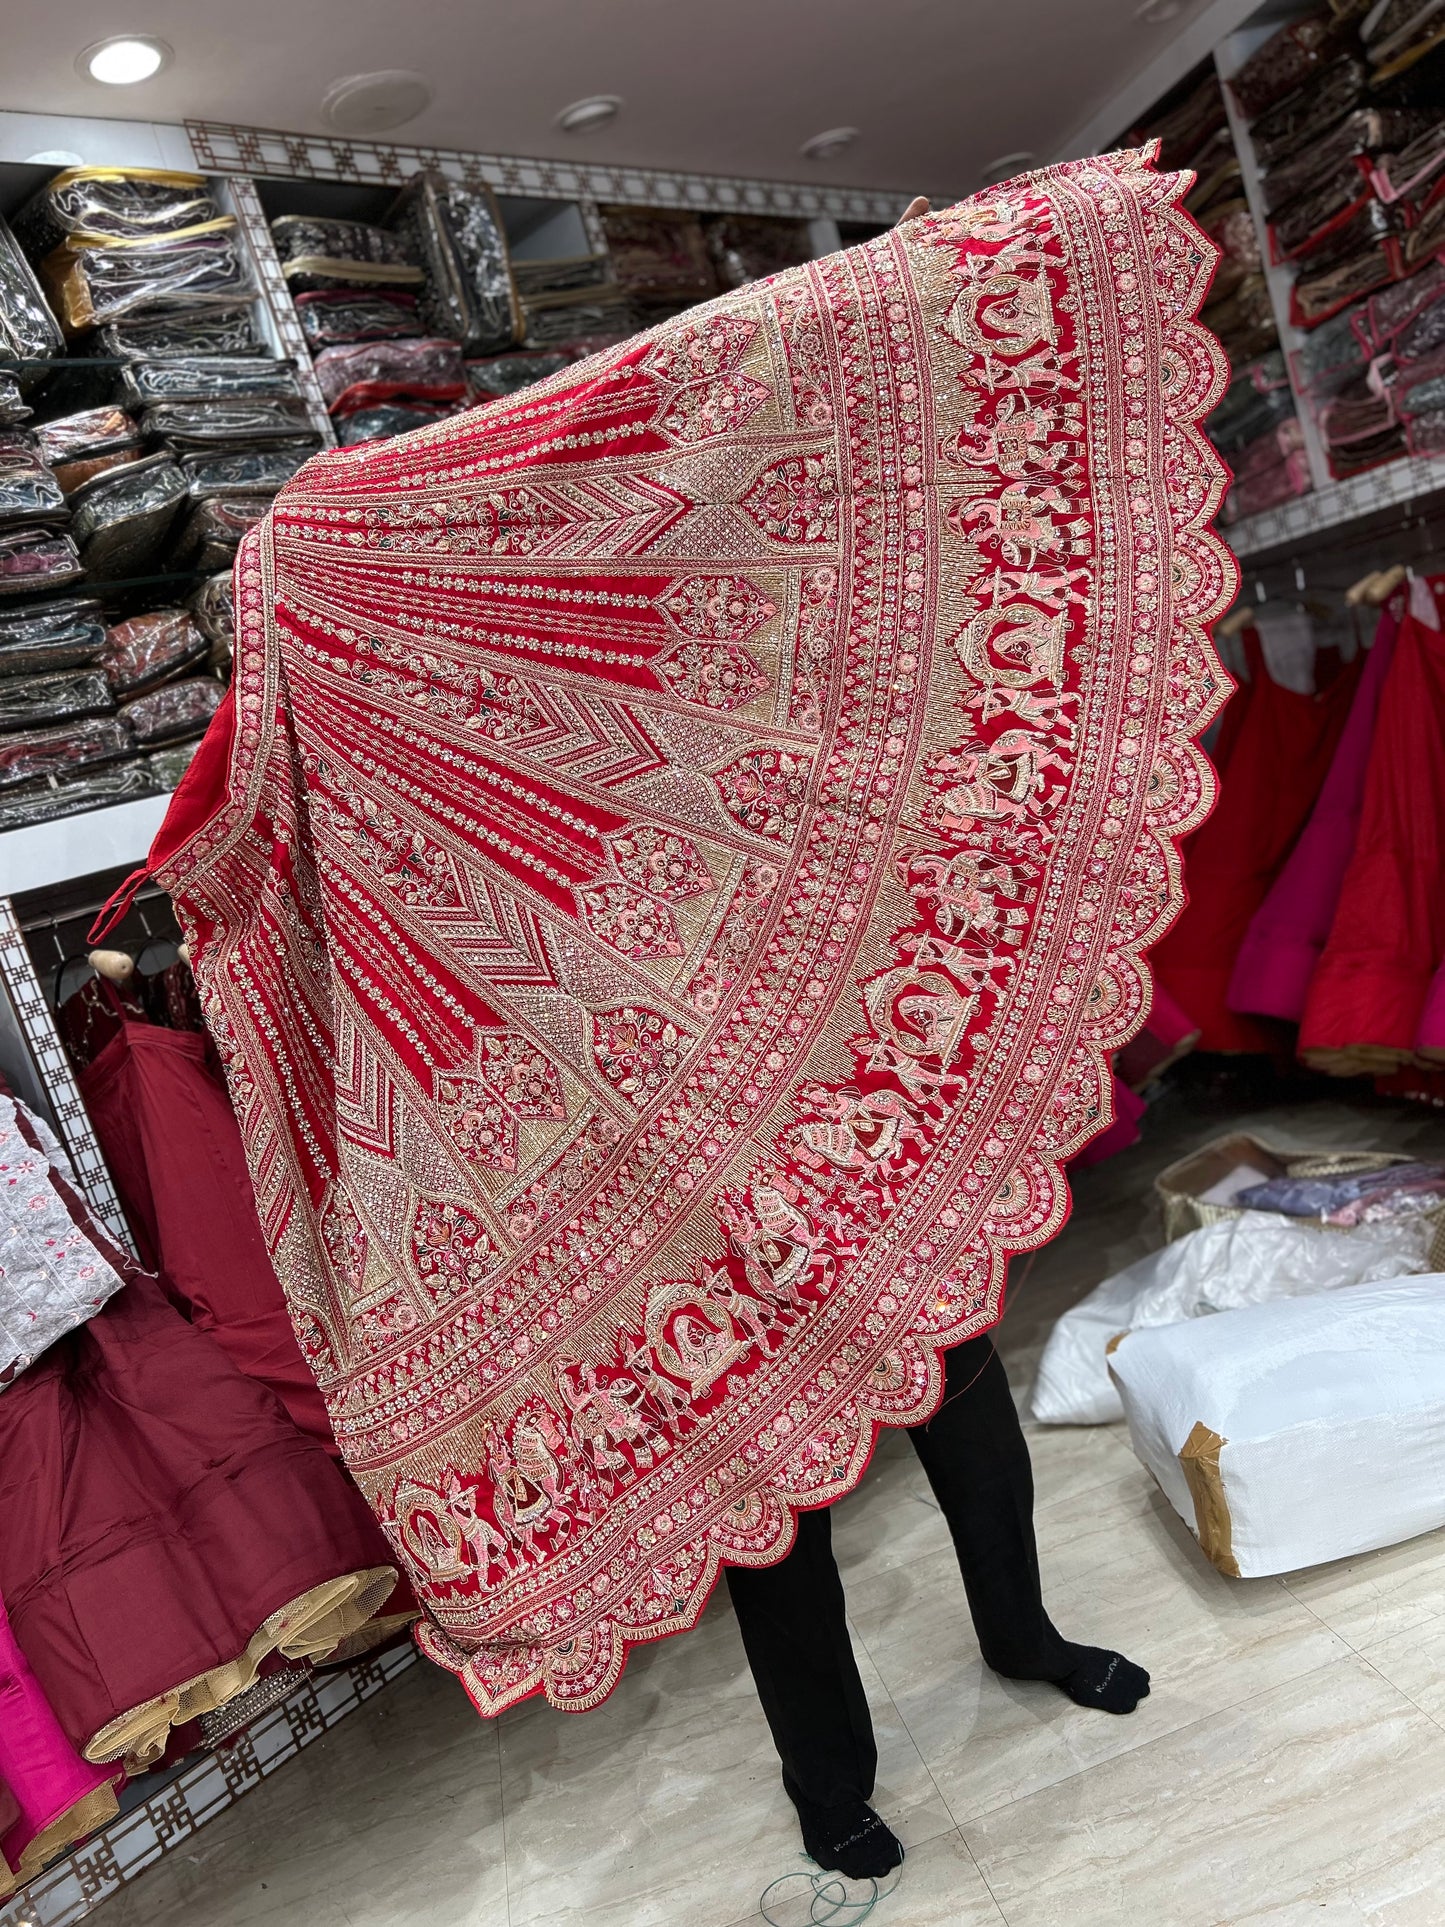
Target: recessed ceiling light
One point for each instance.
(585, 115)
(1006, 166)
(1155, 12)
(371, 103)
(124, 60)
(828, 146)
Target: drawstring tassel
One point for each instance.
(113, 911)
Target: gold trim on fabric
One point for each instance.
(308, 1627)
(1199, 1462)
(95, 1809)
(165, 176)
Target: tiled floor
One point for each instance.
(1288, 1767)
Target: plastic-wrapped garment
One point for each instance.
(1423, 334)
(119, 520)
(149, 649)
(1253, 404)
(429, 367)
(182, 337)
(1289, 1435)
(121, 203)
(13, 406)
(1231, 227)
(575, 318)
(1391, 25)
(1244, 321)
(174, 711)
(1414, 169)
(1286, 59)
(47, 801)
(386, 419)
(93, 282)
(457, 235)
(500, 375)
(258, 471)
(1347, 1199)
(28, 490)
(213, 611)
(34, 755)
(29, 702)
(1424, 240)
(34, 559)
(191, 426)
(219, 378)
(658, 257)
(749, 247)
(1326, 290)
(1268, 485)
(1425, 433)
(93, 434)
(1185, 129)
(212, 529)
(51, 1277)
(1330, 357)
(1366, 131)
(67, 634)
(168, 766)
(1363, 452)
(320, 254)
(1244, 1260)
(28, 330)
(550, 278)
(1309, 221)
(1304, 116)
(1220, 175)
(329, 317)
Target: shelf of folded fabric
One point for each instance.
(1412, 483)
(1338, 116)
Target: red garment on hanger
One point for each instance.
(1278, 761)
(1388, 934)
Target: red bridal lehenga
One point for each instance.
(672, 876)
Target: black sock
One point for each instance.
(1091, 1676)
(1103, 1679)
(849, 1839)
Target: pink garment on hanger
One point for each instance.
(55, 1797)
(1272, 972)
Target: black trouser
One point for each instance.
(792, 1614)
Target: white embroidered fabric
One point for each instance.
(52, 1278)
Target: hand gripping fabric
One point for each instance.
(680, 861)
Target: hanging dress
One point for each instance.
(166, 1527)
(1278, 762)
(1281, 948)
(673, 873)
(1368, 993)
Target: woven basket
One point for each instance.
(1182, 1184)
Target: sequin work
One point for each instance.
(691, 837)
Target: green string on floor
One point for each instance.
(832, 1904)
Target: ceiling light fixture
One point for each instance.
(585, 116)
(1155, 12)
(1005, 166)
(124, 59)
(828, 146)
(371, 103)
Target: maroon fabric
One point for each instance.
(158, 1506)
(169, 1136)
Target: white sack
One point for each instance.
(1243, 1260)
(1312, 1429)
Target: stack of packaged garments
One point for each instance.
(750, 247)
(571, 302)
(1282, 728)
(1350, 941)
(385, 332)
(171, 1532)
(1255, 426)
(1353, 158)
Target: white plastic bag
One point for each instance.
(1244, 1260)
(1293, 1433)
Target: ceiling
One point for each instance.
(938, 88)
